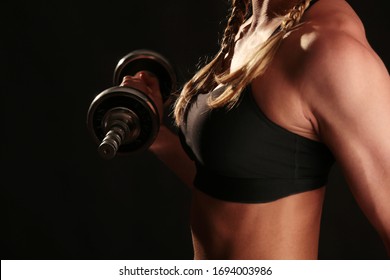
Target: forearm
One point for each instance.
(168, 149)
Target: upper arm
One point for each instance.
(351, 105)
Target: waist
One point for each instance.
(283, 229)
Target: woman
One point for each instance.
(294, 87)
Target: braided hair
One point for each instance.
(216, 72)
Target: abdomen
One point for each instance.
(287, 228)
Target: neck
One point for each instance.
(266, 17)
(266, 13)
(266, 10)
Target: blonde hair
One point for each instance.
(216, 71)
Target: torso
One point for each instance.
(287, 228)
(284, 229)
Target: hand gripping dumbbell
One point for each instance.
(124, 120)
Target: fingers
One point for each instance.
(147, 83)
(142, 79)
(149, 78)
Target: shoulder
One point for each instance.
(332, 41)
(340, 62)
(337, 63)
(334, 69)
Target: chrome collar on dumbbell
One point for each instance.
(123, 120)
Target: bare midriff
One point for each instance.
(285, 229)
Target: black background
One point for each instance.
(59, 199)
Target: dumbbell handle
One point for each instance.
(122, 125)
(114, 138)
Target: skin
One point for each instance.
(327, 84)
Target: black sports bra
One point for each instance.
(242, 156)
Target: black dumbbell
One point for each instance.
(124, 120)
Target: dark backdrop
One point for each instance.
(59, 199)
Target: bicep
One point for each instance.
(353, 116)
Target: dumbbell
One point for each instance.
(124, 120)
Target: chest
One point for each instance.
(278, 92)
(243, 141)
